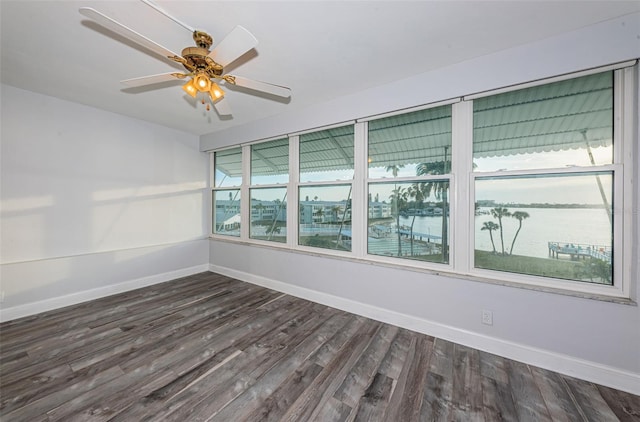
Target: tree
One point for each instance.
(394, 169)
(491, 226)
(500, 213)
(518, 215)
(335, 210)
(259, 207)
(397, 199)
(440, 189)
(416, 193)
(319, 213)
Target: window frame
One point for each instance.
(621, 171)
(369, 181)
(462, 194)
(297, 185)
(247, 152)
(214, 189)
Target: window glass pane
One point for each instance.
(269, 214)
(553, 225)
(566, 123)
(228, 167)
(410, 144)
(270, 162)
(409, 220)
(327, 155)
(226, 204)
(324, 217)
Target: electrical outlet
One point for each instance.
(487, 317)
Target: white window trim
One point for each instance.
(296, 185)
(462, 195)
(622, 247)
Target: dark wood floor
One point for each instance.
(210, 348)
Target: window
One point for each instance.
(409, 218)
(268, 192)
(326, 163)
(546, 206)
(226, 192)
(530, 185)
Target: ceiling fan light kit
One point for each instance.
(203, 65)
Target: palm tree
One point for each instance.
(319, 213)
(259, 207)
(491, 226)
(518, 215)
(396, 197)
(416, 193)
(440, 189)
(335, 210)
(394, 169)
(499, 213)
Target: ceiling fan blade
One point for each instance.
(153, 5)
(280, 91)
(153, 79)
(222, 107)
(235, 44)
(126, 32)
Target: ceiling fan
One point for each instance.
(204, 66)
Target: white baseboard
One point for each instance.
(557, 362)
(84, 296)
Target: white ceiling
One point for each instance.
(320, 49)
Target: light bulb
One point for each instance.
(202, 82)
(190, 89)
(216, 92)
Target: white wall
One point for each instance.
(590, 339)
(93, 202)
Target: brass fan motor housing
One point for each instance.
(197, 59)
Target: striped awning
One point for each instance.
(559, 116)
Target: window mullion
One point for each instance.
(625, 229)
(462, 201)
(245, 196)
(359, 203)
(292, 191)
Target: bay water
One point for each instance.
(584, 226)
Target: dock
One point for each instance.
(580, 250)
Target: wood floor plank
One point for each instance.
(626, 406)
(437, 403)
(393, 409)
(280, 369)
(230, 382)
(590, 400)
(394, 361)
(40, 408)
(493, 367)
(375, 399)
(210, 348)
(558, 399)
(277, 404)
(530, 405)
(415, 385)
(497, 401)
(361, 375)
(321, 390)
(467, 384)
